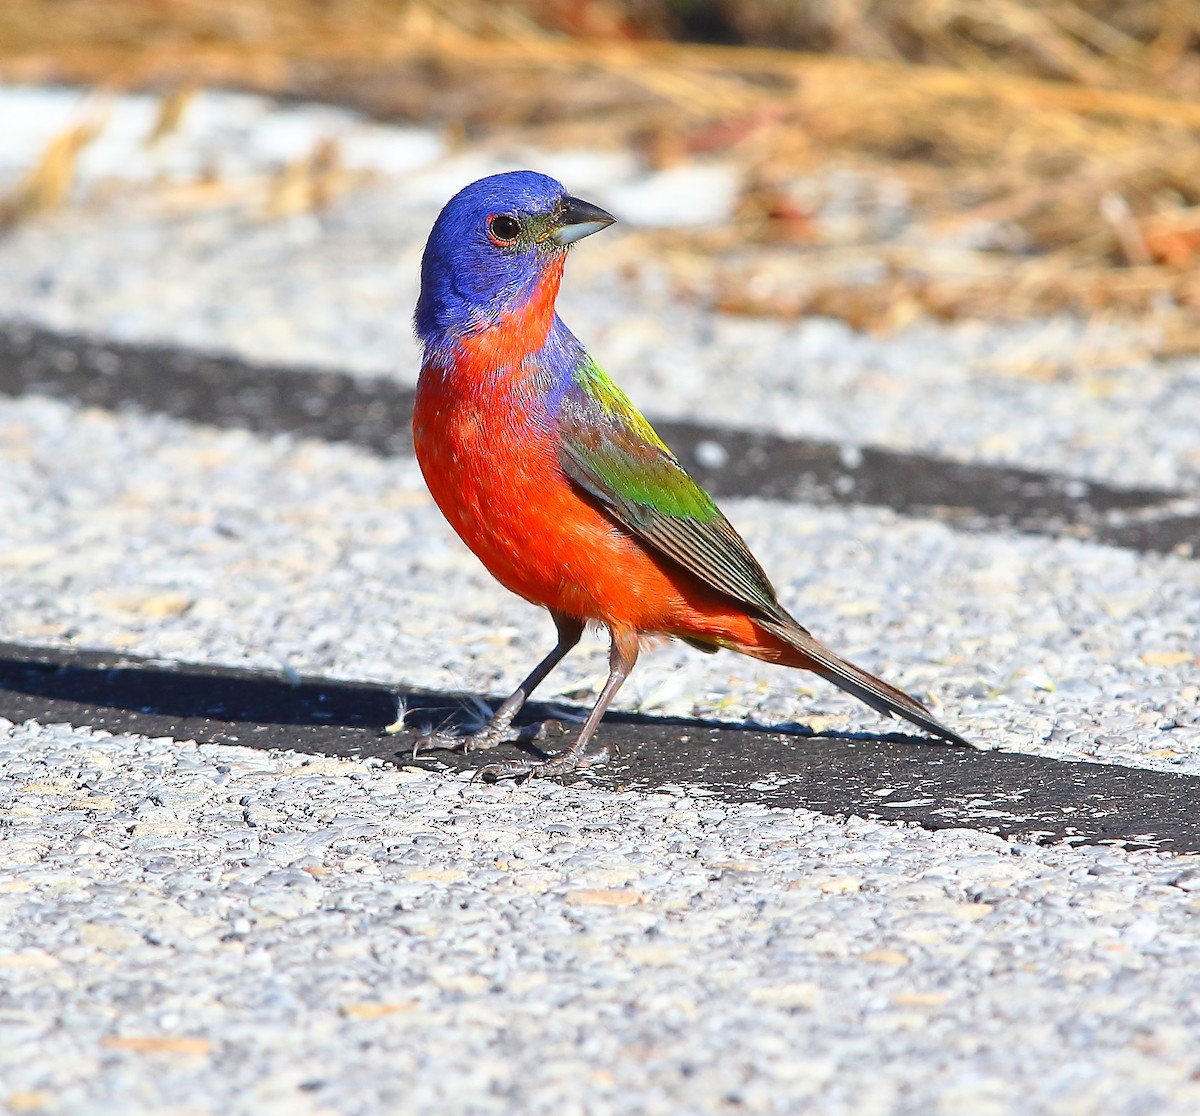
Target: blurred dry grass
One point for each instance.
(1050, 150)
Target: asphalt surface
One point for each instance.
(893, 777)
(376, 414)
(896, 776)
(225, 889)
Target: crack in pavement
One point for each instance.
(890, 776)
(375, 415)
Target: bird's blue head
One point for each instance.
(492, 246)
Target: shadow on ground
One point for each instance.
(897, 777)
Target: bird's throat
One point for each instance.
(520, 332)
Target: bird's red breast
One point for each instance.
(489, 454)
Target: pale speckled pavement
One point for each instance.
(211, 929)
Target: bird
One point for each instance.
(550, 474)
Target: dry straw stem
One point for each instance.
(49, 182)
(1091, 181)
(171, 109)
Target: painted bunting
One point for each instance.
(558, 484)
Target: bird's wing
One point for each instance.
(612, 452)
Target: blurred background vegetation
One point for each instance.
(1048, 150)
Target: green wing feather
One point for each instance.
(611, 451)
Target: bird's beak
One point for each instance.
(579, 219)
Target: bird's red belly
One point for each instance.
(495, 475)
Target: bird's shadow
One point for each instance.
(96, 688)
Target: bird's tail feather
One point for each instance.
(876, 693)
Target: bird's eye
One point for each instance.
(503, 229)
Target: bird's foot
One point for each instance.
(499, 730)
(572, 759)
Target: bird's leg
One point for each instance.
(499, 729)
(621, 659)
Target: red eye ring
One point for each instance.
(503, 230)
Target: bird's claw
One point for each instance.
(564, 764)
(482, 741)
(489, 737)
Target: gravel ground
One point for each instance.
(200, 929)
(205, 929)
(222, 547)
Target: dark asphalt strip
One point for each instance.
(375, 414)
(896, 776)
